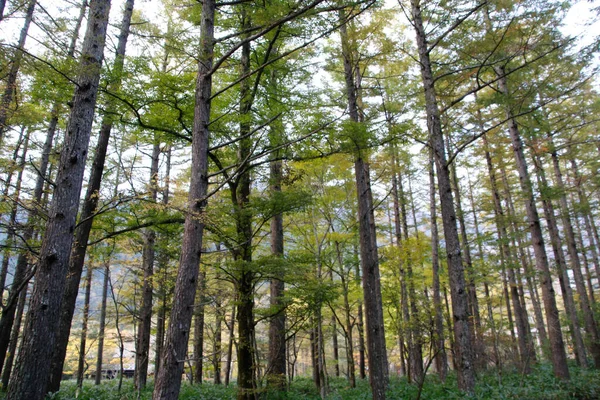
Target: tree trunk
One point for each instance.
(14, 337)
(378, 366)
(277, 355)
(475, 321)
(488, 300)
(84, 326)
(199, 330)
(11, 79)
(441, 360)
(90, 203)
(458, 288)
(587, 218)
(503, 237)
(6, 320)
(162, 272)
(168, 381)
(217, 345)
(31, 378)
(588, 315)
(12, 223)
(142, 355)
(102, 327)
(561, 265)
(230, 345)
(559, 357)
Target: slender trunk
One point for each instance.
(463, 355)
(441, 360)
(217, 346)
(9, 308)
(378, 366)
(277, 353)
(90, 203)
(11, 79)
(513, 238)
(102, 327)
(230, 346)
(84, 326)
(168, 380)
(162, 272)
(559, 257)
(31, 378)
(142, 355)
(475, 321)
(21, 145)
(587, 218)
(559, 357)
(488, 300)
(240, 193)
(199, 330)
(14, 337)
(591, 328)
(413, 337)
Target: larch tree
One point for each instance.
(30, 378)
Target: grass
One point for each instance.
(539, 385)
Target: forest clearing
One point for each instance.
(299, 199)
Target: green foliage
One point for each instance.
(540, 384)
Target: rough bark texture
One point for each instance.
(277, 348)
(584, 302)
(31, 378)
(88, 210)
(378, 366)
(101, 328)
(142, 351)
(559, 356)
(441, 361)
(162, 267)
(199, 331)
(11, 79)
(475, 321)
(242, 253)
(14, 337)
(458, 289)
(561, 265)
(84, 327)
(168, 381)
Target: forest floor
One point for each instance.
(540, 384)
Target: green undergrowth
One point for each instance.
(540, 385)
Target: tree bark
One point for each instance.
(441, 360)
(102, 327)
(11, 79)
(90, 203)
(277, 348)
(199, 331)
(378, 366)
(561, 265)
(84, 326)
(14, 337)
(458, 287)
(31, 378)
(168, 381)
(162, 272)
(559, 357)
(142, 355)
(591, 328)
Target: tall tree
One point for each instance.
(90, 204)
(30, 379)
(458, 290)
(378, 367)
(11, 81)
(168, 380)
